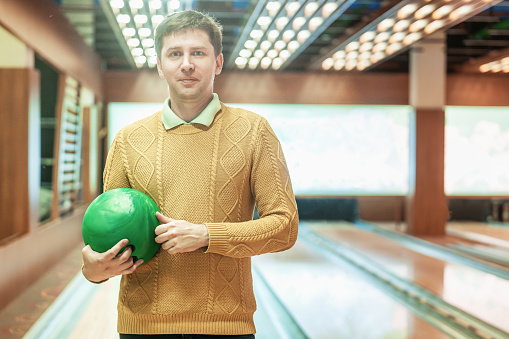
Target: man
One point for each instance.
(206, 165)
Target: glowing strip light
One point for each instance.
(137, 20)
(406, 23)
(281, 29)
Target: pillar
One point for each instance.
(426, 204)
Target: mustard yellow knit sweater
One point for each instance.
(212, 175)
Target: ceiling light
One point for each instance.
(240, 61)
(441, 12)
(339, 64)
(380, 47)
(310, 8)
(364, 55)
(352, 46)
(418, 25)
(411, 38)
(157, 19)
(433, 26)
(128, 31)
(293, 45)
(245, 53)
(140, 60)
(123, 18)
(328, 9)
(298, 23)
(259, 53)
(292, 8)
(174, 4)
(406, 10)
(339, 55)
(368, 36)
(155, 4)
(393, 48)
(288, 35)
(137, 51)
(385, 24)
(265, 62)
(279, 45)
(136, 4)
(315, 22)
(117, 3)
(327, 64)
(133, 42)
(145, 32)
(363, 64)
(256, 34)
(367, 46)
(140, 18)
(151, 52)
(282, 22)
(272, 35)
(277, 63)
(401, 25)
(460, 11)
(265, 45)
(147, 43)
(250, 44)
(264, 22)
(253, 63)
(351, 64)
(273, 7)
(285, 54)
(384, 36)
(303, 35)
(397, 37)
(352, 55)
(272, 53)
(424, 11)
(377, 57)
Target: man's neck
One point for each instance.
(188, 111)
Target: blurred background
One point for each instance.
(393, 117)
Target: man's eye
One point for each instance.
(175, 54)
(198, 53)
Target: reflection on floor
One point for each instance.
(327, 298)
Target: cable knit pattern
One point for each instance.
(212, 175)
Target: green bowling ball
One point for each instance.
(122, 213)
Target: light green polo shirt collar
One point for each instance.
(171, 120)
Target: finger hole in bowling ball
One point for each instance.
(132, 247)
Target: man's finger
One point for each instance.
(162, 218)
(161, 229)
(112, 253)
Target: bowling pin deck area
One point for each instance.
(340, 280)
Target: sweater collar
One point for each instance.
(171, 120)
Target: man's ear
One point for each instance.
(159, 69)
(219, 63)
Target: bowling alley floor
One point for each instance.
(326, 298)
(21, 314)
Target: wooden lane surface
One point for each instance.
(480, 232)
(330, 300)
(481, 294)
(99, 321)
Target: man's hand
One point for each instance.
(98, 267)
(179, 236)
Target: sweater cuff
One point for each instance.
(218, 238)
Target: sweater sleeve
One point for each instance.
(276, 229)
(115, 171)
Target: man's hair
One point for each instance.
(186, 21)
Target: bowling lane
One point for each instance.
(329, 299)
(483, 295)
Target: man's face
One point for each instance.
(189, 65)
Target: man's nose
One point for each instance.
(187, 64)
